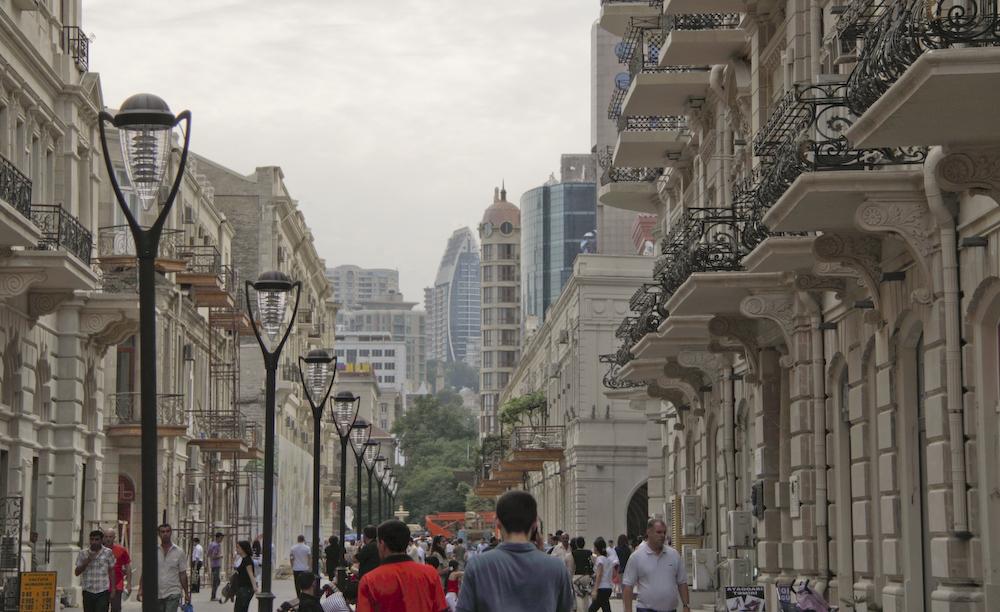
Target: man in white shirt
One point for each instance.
(172, 572)
(197, 560)
(301, 560)
(657, 571)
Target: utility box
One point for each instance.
(703, 569)
(691, 524)
(740, 529)
(739, 572)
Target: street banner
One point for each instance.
(786, 598)
(745, 598)
(38, 592)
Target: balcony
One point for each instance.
(930, 64)
(665, 91)
(859, 16)
(116, 246)
(60, 260)
(701, 39)
(650, 142)
(687, 7)
(16, 226)
(628, 188)
(77, 44)
(616, 14)
(61, 230)
(533, 445)
(225, 431)
(124, 418)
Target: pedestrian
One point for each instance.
(453, 584)
(438, 550)
(583, 573)
(603, 573)
(333, 557)
(657, 572)
(171, 574)
(460, 554)
(367, 556)
(482, 545)
(215, 563)
(398, 584)
(96, 564)
(197, 560)
(563, 551)
(306, 583)
(337, 601)
(245, 584)
(449, 548)
(123, 569)
(516, 576)
(624, 551)
(300, 558)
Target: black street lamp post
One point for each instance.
(376, 468)
(360, 435)
(345, 413)
(317, 379)
(371, 452)
(145, 130)
(272, 296)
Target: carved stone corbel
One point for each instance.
(41, 304)
(742, 332)
(777, 307)
(861, 253)
(912, 221)
(690, 376)
(706, 361)
(814, 284)
(975, 170)
(114, 333)
(15, 282)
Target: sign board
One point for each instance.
(38, 592)
(745, 598)
(786, 598)
(793, 496)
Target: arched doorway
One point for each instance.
(638, 512)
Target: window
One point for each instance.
(489, 403)
(385, 408)
(390, 365)
(506, 294)
(376, 352)
(390, 352)
(487, 316)
(505, 316)
(487, 358)
(385, 424)
(363, 352)
(487, 337)
(502, 379)
(505, 359)
(488, 274)
(488, 294)
(508, 337)
(352, 355)
(390, 379)
(505, 274)
(505, 251)
(377, 365)
(369, 319)
(487, 252)
(487, 380)
(340, 352)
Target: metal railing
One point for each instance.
(289, 372)
(202, 258)
(630, 175)
(859, 16)
(125, 409)
(702, 21)
(537, 437)
(77, 44)
(119, 278)
(15, 187)
(118, 240)
(61, 230)
(665, 123)
(225, 425)
(11, 527)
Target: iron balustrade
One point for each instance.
(617, 99)
(652, 124)
(702, 21)
(61, 230)
(630, 175)
(77, 44)
(11, 527)
(125, 409)
(906, 29)
(612, 378)
(15, 187)
(538, 437)
(121, 277)
(289, 372)
(305, 316)
(225, 425)
(636, 36)
(202, 258)
(859, 16)
(117, 240)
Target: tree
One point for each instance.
(430, 490)
(428, 420)
(458, 375)
(476, 504)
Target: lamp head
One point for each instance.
(272, 295)
(319, 370)
(345, 409)
(145, 124)
(371, 451)
(361, 431)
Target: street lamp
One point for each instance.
(317, 379)
(345, 412)
(272, 290)
(360, 435)
(377, 467)
(145, 132)
(371, 452)
(386, 479)
(393, 486)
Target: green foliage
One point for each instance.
(476, 504)
(429, 490)
(533, 407)
(457, 375)
(428, 420)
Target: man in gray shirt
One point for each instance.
(515, 576)
(657, 572)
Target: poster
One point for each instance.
(745, 599)
(38, 592)
(786, 598)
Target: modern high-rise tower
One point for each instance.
(455, 307)
(500, 236)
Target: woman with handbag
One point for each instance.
(246, 583)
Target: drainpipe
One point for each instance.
(953, 350)
(815, 27)
(819, 440)
(729, 433)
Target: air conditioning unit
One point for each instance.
(192, 493)
(189, 352)
(189, 215)
(740, 529)
(194, 458)
(691, 517)
(702, 573)
(845, 51)
(288, 421)
(564, 336)
(739, 572)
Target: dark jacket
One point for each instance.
(308, 603)
(368, 558)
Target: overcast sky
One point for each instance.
(393, 120)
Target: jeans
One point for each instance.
(216, 581)
(601, 601)
(170, 603)
(243, 599)
(96, 602)
(116, 601)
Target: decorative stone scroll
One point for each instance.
(706, 361)
(114, 333)
(777, 307)
(41, 304)
(742, 332)
(14, 283)
(912, 221)
(813, 284)
(863, 254)
(690, 376)
(977, 170)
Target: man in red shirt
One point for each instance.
(123, 569)
(399, 584)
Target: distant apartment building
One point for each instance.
(385, 357)
(352, 284)
(395, 317)
(455, 307)
(500, 237)
(556, 220)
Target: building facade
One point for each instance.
(352, 284)
(500, 256)
(385, 356)
(555, 221)
(392, 315)
(455, 309)
(816, 352)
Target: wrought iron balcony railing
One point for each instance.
(305, 316)
(15, 187)
(61, 230)
(701, 21)
(638, 34)
(613, 379)
(538, 437)
(289, 372)
(119, 278)
(202, 258)
(617, 99)
(905, 29)
(224, 425)
(77, 44)
(859, 16)
(125, 409)
(630, 175)
(118, 240)
(652, 124)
